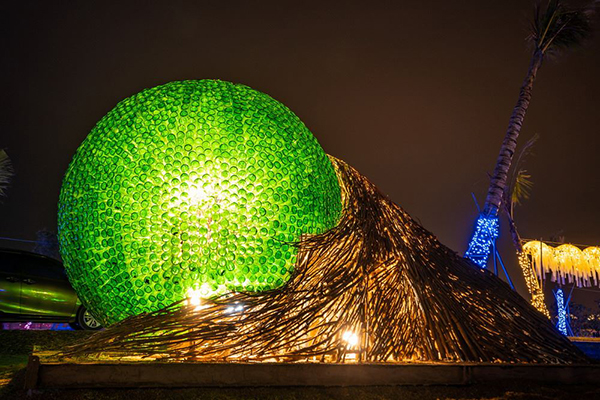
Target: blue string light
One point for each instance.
(485, 235)
(562, 312)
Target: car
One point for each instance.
(36, 288)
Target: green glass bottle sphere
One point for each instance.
(198, 186)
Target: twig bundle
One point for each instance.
(376, 288)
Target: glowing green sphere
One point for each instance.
(197, 186)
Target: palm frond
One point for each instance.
(526, 150)
(6, 172)
(519, 184)
(522, 187)
(557, 27)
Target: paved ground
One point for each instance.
(371, 393)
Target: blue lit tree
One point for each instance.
(562, 312)
(555, 27)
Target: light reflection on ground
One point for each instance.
(35, 326)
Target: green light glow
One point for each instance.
(191, 186)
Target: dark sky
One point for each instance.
(415, 94)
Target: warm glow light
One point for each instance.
(350, 338)
(195, 299)
(198, 194)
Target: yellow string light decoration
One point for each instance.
(565, 262)
(541, 255)
(592, 256)
(572, 264)
(533, 284)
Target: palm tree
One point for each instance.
(555, 28)
(6, 172)
(516, 192)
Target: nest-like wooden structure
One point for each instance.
(378, 275)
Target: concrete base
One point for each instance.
(157, 374)
(590, 346)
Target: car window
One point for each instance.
(9, 263)
(26, 265)
(42, 268)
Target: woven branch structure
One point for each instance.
(376, 288)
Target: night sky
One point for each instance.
(416, 95)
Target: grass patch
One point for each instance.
(23, 342)
(9, 365)
(15, 347)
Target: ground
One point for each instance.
(16, 345)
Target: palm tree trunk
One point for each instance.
(486, 228)
(498, 181)
(533, 285)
